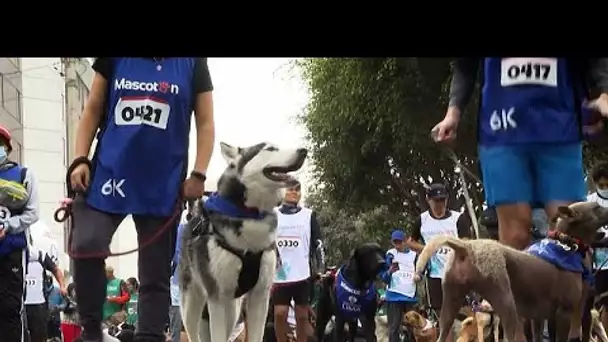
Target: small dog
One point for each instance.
(518, 283)
(598, 332)
(480, 325)
(350, 295)
(423, 328)
(229, 243)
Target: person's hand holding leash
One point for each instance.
(194, 186)
(446, 129)
(600, 104)
(80, 176)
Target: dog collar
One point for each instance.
(221, 205)
(573, 242)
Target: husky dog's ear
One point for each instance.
(229, 152)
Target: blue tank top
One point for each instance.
(353, 302)
(141, 156)
(529, 100)
(12, 242)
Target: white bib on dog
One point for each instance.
(432, 228)
(402, 281)
(293, 244)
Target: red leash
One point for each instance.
(65, 211)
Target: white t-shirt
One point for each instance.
(293, 244)
(430, 228)
(600, 255)
(34, 279)
(402, 281)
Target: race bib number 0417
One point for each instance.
(140, 110)
(528, 71)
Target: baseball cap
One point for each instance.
(437, 190)
(397, 235)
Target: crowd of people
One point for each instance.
(533, 115)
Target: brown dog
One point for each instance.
(516, 282)
(479, 325)
(423, 329)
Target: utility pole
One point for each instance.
(71, 115)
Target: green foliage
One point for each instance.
(368, 125)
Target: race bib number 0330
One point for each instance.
(528, 71)
(288, 242)
(142, 111)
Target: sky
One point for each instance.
(255, 100)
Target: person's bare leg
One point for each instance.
(301, 323)
(280, 322)
(514, 223)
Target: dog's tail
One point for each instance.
(460, 247)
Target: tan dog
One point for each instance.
(598, 333)
(515, 282)
(423, 329)
(381, 328)
(479, 325)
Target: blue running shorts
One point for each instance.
(529, 173)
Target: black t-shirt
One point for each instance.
(201, 81)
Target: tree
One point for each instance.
(368, 124)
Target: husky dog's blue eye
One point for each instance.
(271, 148)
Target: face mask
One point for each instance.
(603, 193)
(3, 154)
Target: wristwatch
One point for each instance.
(198, 175)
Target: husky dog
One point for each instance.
(229, 244)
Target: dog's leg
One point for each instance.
(503, 303)
(537, 329)
(562, 324)
(453, 296)
(480, 326)
(204, 334)
(220, 311)
(496, 328)
(258, 298)
(192, 304)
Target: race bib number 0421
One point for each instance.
(528, 71)
(139, 110)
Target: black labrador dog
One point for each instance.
(349, 294)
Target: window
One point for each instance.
(11, 99)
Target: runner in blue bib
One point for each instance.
(530, 135)
(140, 109)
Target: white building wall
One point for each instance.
(43, 149)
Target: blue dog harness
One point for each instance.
(561, 256)
(352, 302)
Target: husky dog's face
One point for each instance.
(255, 174)
(264, 163)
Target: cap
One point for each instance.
(437, 190)
(397, 235)
(6, 135)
